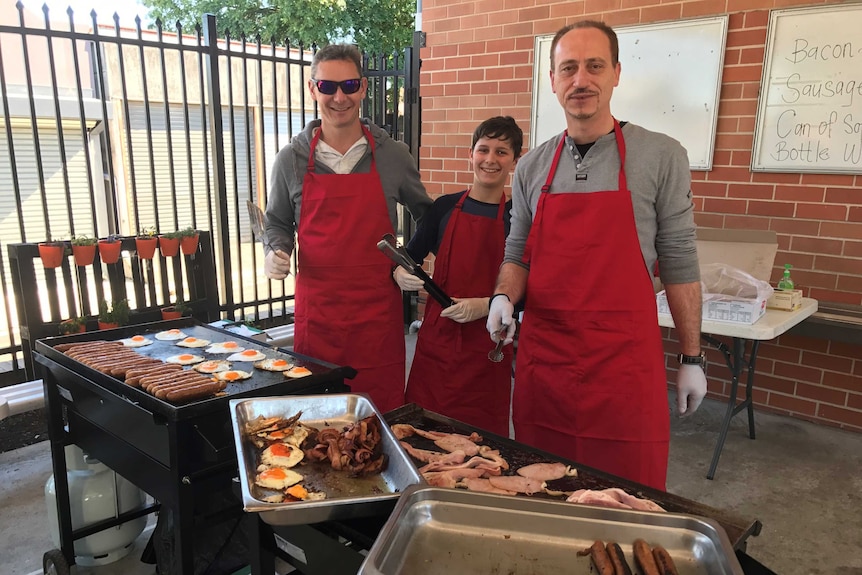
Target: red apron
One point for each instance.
(348, 309)
(451, 373)
(590, 381)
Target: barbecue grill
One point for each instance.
(179, 454)
(334, 547)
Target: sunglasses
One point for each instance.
(330, 87)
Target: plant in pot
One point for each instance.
(188, 240)
(169, 244)
(73, 325)
(84, 250)
(146, 243)
(52, 253)
(176, 311)
(109, 249)
(114, 316)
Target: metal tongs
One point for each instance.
(257, 219)
(398, 254)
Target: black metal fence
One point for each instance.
(114, 130)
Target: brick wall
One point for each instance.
(478, 62)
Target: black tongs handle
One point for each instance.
(389, 246)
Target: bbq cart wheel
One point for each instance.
(54, 563)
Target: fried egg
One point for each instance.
(170, 335)
(281, 455)
(247, 355)
(273, 364)
(136, 341)
(277, 478)
(297, 371)
(225, 347)
(212, 366)
(232, 375)
(193, 342)
(185, 359)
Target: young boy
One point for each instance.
(451, 373)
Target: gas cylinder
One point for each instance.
(96, 493)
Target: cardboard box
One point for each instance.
(752, 251)
(785, 300)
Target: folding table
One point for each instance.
(772, 324)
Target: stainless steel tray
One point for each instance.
(439, 531)
(346, 497)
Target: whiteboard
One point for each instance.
(809, 113)
(670, 81)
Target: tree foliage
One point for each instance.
(376, 26)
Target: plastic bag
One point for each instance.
(728, 280)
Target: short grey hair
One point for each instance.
(346, 52)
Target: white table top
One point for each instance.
(770, 325)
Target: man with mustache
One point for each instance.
(593, 211)
(337, 186)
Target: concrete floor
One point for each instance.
(802, 481)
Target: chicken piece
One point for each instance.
(600, 498)
(493, 455)
(632, 501)
(518, 484)
(423, 455)
(544, 471)
(451, 477)
(483, 486)
(402, 430)
(453, 442)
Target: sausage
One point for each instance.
(162, 390)
(139, 372)
(618, 559)
(123, 366)
(64, 347)
(168, 377)
(135, 380)
(196, 392)
(143, 362)
(664, 561)
(644, 558)
(600, 559)
(172, 379)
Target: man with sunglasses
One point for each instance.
(337, 186)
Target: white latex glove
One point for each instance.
(407, 281)
(500, 318)
(467, 309)
(690, 388)
(276, 265)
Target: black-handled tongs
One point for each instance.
(398, 254)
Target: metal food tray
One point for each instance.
(440, 531)
(347, 497)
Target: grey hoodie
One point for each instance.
(396, 167)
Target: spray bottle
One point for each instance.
(785, 283)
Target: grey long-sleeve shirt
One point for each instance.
(657, 170)
(396, 167)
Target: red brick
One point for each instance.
(849, 416)
(779, 352)
(753, 191)
(834, 296)
(501, 17)
(853, 249)
(780, 209)
(840, 265)
(801, 227)
(471, 75)
(692, 8)
(534, 13)
(821, 212)
(483, 61)
(765, 381)
(751, 56)
(725, 206)
(751, 90)
(799, 261)
(737, 107)
(712, 189)
(854, 401)
(843, 195)
(827, 362)
(597, 6)
(826, 180)
(723, 158)
(850, 350)
(855, 214)
(804, 343)
(745, 222)
(815, 279)
(737, 38)
(742, 5)
(462, 9)
(821, 394)
(841, 230)
(792, 404)
(761, 177)
(709, 220)
(755, 18)
(817, 245)
(722, 174)
(851, 284)
(623, 18)
(730, 92)
(798, 194)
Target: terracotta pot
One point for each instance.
(189, 245)
(110, 251)
(84, 255)
(51, 254)
(169, 246)
(107, 325)
(146, 247)
(171, 313)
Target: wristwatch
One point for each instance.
(699, 359)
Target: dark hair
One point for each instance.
(500, 128)
(347, 52)
(609, 32)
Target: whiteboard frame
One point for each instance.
(757, 162)
(543, 82)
